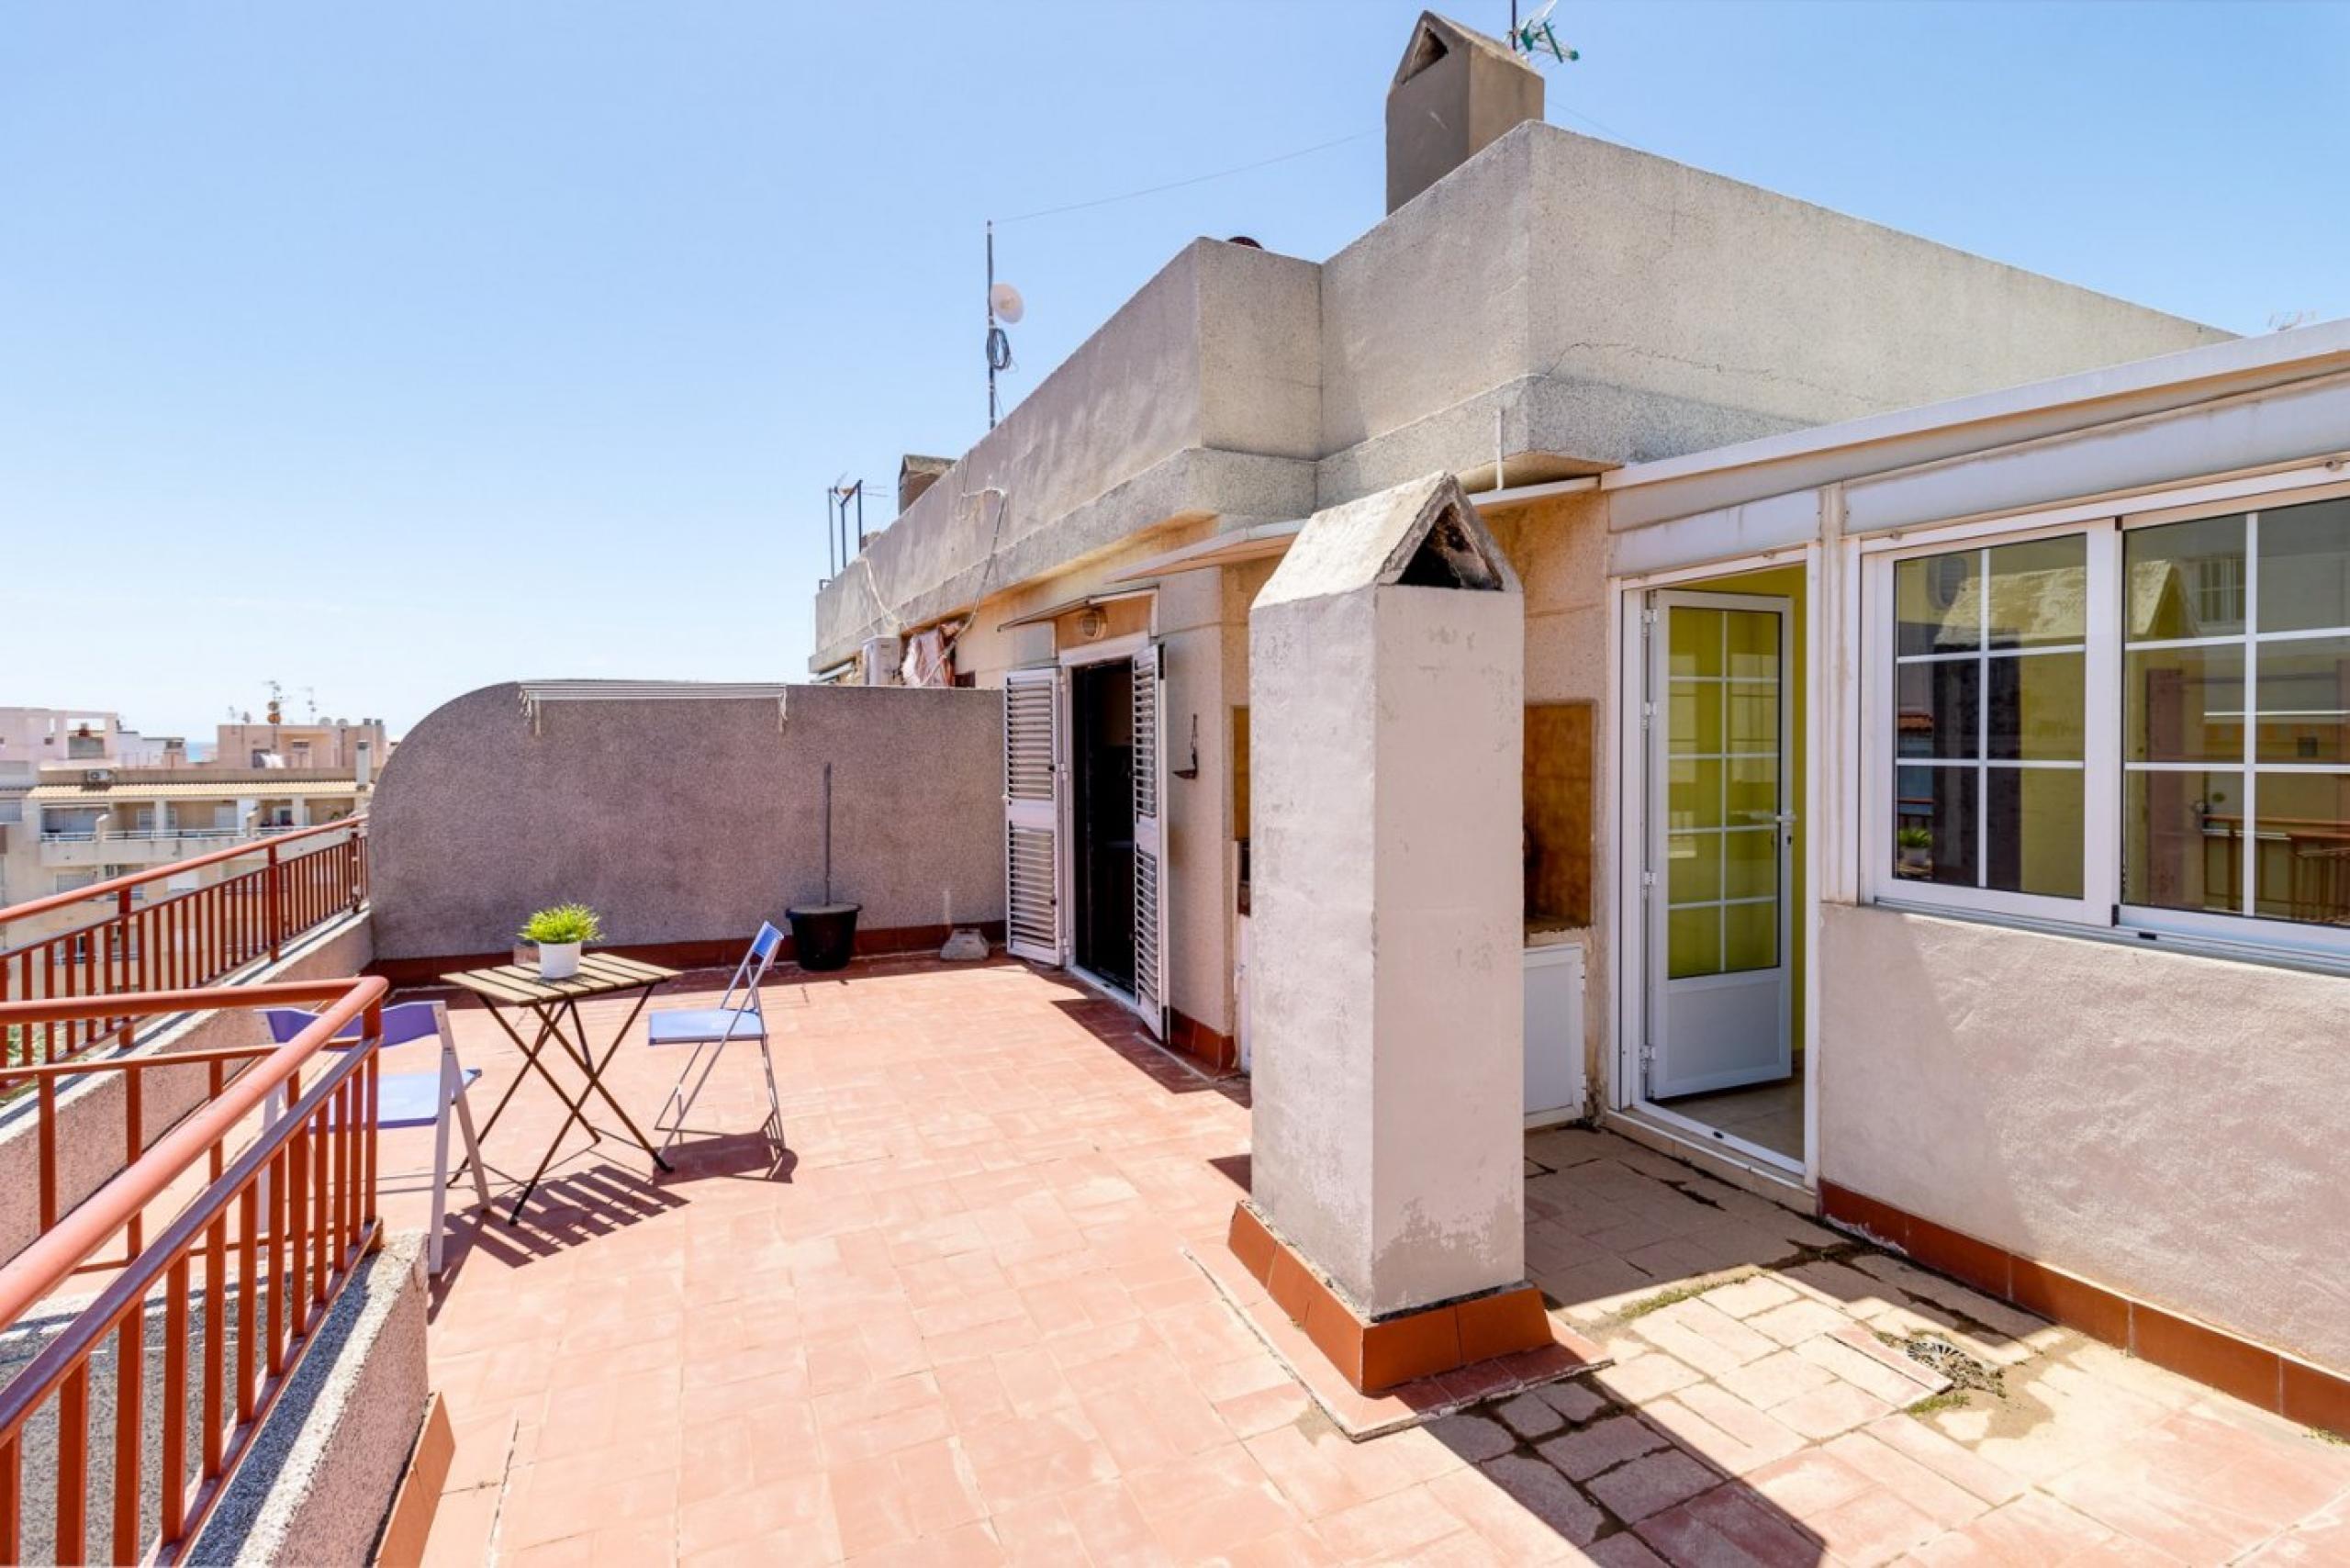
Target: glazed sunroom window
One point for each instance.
(2235, 709)
(1989, 678)
(2147, 726)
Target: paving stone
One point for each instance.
(1623, 1550)
(1749, 1296)
(1946, 1459)
(1573, 1398)
(1809, 1482)
(1876, 1527)
(1547, 1495)
(1864, 1372)
(1798, 1321)
(1939, 1499)
(1824, 1412)
(1762, 1438)
(1893, 1359)
(1751, 1526)
(1474, 1438)
(1835, 1286)
(1645, 1377)
(1709, 1339)
(2034, 1528)
(1651, 1483)
(1776, 1378)
(1529, 1416)
(1586, 1451)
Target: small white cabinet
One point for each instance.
(1554, 1065)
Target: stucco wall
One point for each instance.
(1201, 397)
(1558, 548)
(687, 821)
(2165, 1124)
(1617, 307)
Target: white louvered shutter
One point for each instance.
(1031, 848)
(1151, 838)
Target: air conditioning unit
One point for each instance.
(878, 661)
(98, 776)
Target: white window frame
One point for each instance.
(2101, 745)
(2103, 775)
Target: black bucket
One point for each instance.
(823, 935)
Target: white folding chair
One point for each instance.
(407, 1099)
(713, 1029)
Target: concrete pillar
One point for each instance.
(1386, 681)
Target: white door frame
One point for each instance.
(1626, 817)
(1108, 650)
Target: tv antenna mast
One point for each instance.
(1533, 36)
(1004, 305)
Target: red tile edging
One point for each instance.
(1384, 1352)
(1211, 1048)
(718, 953)
(2253, 1373)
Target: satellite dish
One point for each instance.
(1005, 301)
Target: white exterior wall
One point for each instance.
(2165, 1123)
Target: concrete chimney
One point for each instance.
(1455, 91)
(1387, 1211)
(917, 474)
(364, 770)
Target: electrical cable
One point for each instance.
(1195, 180)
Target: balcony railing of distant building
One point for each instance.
(135, 935)
(158, 835)
(277, 1231)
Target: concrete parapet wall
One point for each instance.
(687, 821)
(1201, 397)
(322, 1471)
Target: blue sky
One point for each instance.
(393, 350)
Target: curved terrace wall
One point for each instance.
(687, 821)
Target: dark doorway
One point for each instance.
(1102, 732)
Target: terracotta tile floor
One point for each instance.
(959, 1324)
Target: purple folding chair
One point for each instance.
(406, 1099)
(712, 1028)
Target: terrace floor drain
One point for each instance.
(1962, 1370)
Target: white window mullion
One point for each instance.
(2102, 782)
(1982, 721)
(2249, 856)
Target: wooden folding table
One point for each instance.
(555, 1005)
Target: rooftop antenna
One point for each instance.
(310, 702)
(837, 516)
(1533, 37)
(1004, 304)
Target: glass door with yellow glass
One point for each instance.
(1721, 831)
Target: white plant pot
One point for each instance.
(558, 961)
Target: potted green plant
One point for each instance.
(1917, 846)
(558, 932)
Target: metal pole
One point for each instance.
(828, 832)
(991, 323)
(832, 565)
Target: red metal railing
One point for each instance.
(277, 1233)
(175, 942)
